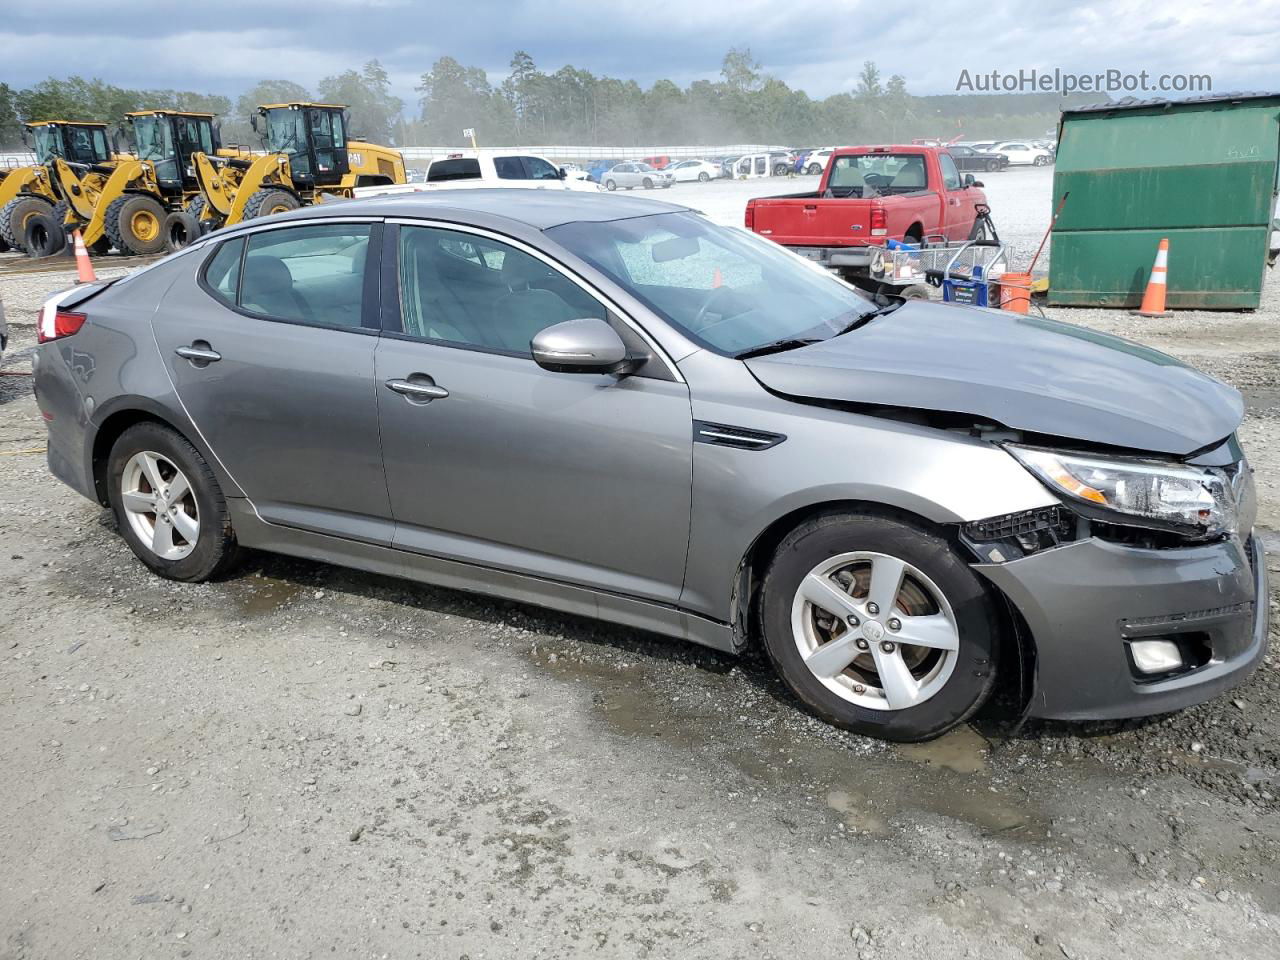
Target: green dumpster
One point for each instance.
(1201, 172)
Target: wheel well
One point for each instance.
(915, 230)
(745, 606)
(1017, 666)
(367, 180)
(106, 438)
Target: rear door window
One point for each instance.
(509, 168)
(305, 274)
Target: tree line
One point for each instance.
(572, 106)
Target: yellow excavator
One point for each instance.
(30, 190)
(309, 155)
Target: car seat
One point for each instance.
(268, 289)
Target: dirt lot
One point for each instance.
(304, 761)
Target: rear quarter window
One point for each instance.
(222, 275)
(458, 168)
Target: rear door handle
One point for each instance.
(418, 391)
(199, 353)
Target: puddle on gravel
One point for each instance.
(260, 596)
(870, 785)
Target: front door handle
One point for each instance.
(425, 392)
(199, 353)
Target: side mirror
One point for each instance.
(969, 180)
(564, 174)
(588, 345)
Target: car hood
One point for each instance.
(1023, 372)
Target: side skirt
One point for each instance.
(254, 532)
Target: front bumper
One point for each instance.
(1083, 602)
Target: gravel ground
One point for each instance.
(306, 761)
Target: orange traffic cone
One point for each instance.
(84, 266)
(1153, 299)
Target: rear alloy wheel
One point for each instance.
(138, 224)
(264, 203)
(15, 214)
(168, 505)
(879, 627)
(610, 185)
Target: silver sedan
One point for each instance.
(613, 407)
(631, 175)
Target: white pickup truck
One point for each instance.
(491, 168)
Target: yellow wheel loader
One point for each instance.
(141, 207)
(30, 190)
(309, 155)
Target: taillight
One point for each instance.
(749, 221)
(879, 223)
(55, 324)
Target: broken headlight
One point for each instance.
(1200, 503)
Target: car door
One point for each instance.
(271, 352)
(1016, 152)
(492, 460)
(957, 215)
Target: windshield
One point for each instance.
(877, 174)
(154, 139)
(722, 287)
(287, 133)
(47, 144)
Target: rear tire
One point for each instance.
(264, 203)
(212, 548)
(135, 223)
(890, 688)
(14, 216)
(180, 229)
(610, 185)
(44, 236)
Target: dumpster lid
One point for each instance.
(1133, 103)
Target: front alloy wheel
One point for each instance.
(875, 631)
(879, 626)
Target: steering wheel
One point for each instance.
(715, 294)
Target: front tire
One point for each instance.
(135, 223)
(648, 184)
(879, 627)
(703, 177)
(264, 203)
(168, 505)
(993, 166)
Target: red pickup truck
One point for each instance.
(869, 195)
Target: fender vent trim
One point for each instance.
(739, 438)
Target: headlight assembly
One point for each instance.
(1201, 503)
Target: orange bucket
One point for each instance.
(1015, 292)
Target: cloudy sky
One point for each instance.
(816, 45)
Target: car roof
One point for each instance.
(539, 209)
